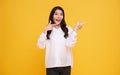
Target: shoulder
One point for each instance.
(69, 28)
(71, 31)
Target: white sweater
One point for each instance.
(58, 49)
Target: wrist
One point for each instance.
(45, 31)
(75, 29)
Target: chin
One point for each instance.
(57, 23)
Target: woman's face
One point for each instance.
(57, 17)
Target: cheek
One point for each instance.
(54, 16)
(54, 19)
(61, 17)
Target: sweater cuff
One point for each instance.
(43, 36)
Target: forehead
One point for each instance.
(58, 11)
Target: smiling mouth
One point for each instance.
(58, 20)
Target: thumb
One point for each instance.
(84, 23)
(50, 22)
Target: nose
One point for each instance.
(59, 16)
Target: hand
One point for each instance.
(48, 27)
(79, 25)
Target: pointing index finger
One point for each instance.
(50, 22)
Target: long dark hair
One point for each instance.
(62, 24)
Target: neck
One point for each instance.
(57, 26)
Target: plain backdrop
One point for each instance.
(97, 51)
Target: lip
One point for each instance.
(57, 20)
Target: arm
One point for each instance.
(71, 40)
(42, 41)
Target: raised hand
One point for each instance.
(49, 27)
(79, 25)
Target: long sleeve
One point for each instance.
(42, 41)
(71, 40)
(58, 49)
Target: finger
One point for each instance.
(50, 28)
(78, 23)
(83, 23)
(50, 22)
(53, 24)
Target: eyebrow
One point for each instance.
(57, 12)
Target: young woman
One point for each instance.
(58, 38)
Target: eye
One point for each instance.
(56, 14)
(61, 14)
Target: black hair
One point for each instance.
(62, 24)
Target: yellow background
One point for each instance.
(97, 51)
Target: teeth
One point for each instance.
(57, 20)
